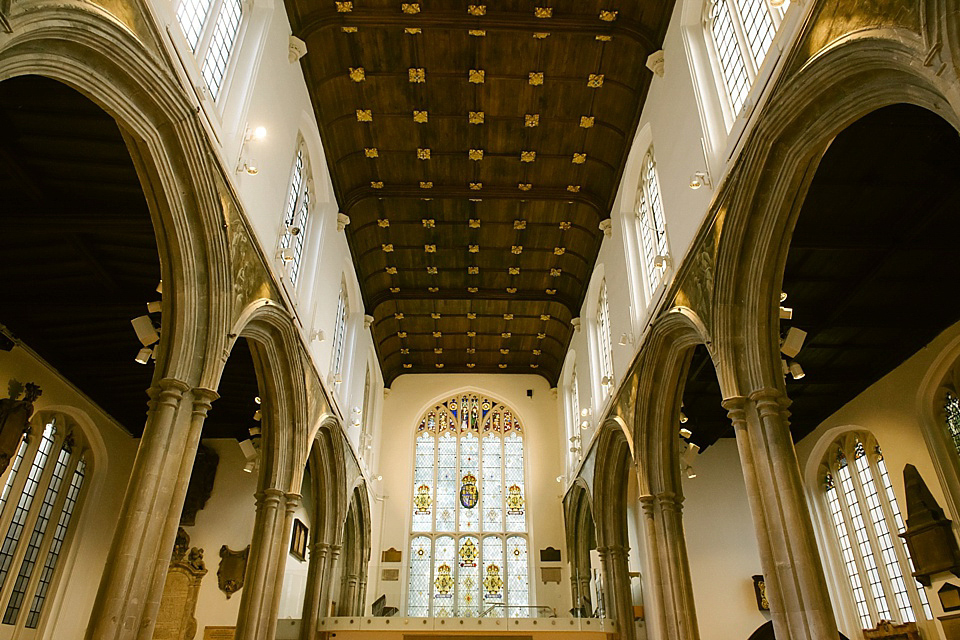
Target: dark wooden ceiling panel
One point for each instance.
(476, 148)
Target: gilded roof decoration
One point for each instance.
(531, 120)
(421, 117)
(357, 74)
(417, 75)
(344, 7)
(586, 121)
(364, 115)
(536, 78)
(410, 8)
(595, 80)
(476, 76)
(477, 9)
(543, 12)
(475, 117)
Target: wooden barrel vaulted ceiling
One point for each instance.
(476, 150)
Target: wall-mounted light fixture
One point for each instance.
(248, 163)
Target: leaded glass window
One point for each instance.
(339, 336)
(864, 512)
(210, 28)
(604, 342)
(951, 408)
(41, 489)
(653, 224)
(468, 548)
(740, 32)
(296, 215)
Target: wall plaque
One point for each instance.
(391, 555)
(219, 633)
(175, 618)
(549, 555)
(390, 575)
(551, 574)
(233, 566)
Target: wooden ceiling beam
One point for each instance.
(570, 305)
(499, 21)
(450, 192)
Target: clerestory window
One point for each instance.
(652, 223)
(604, 341)
(296, 215)
(211, 28)
(468, 543)
(339, 337)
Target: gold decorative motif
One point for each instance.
(471, 315)
(432, 271)
(502, 366)
(344, 7)
(579, 158)
(559, 251)
(555, 273)
(364, 115)
(536, 352)
(543, 12)
(476, 76)
(435, 315)
(383, 223)
(475, 154)
(376, 184)
(531, 120)
(407, 365)
(477, 33)
(371, 152)
(471, 350)
(519, 224)
(387, 248)
(541, 336)
(511, 289)
(551, 292)
(565, 226)
(508, 316)
(528, 156)
(476, 117)
(477, 9)
(439, 365)
(418, 75)
(423, 154)
(534, 365)
(545, 317)
(438, 350)
(586, 121)
(573, 188)
(516, 249)
(401, 334)
(348, 29)
(541, 35)
(420, 117)
(426, 185)
(514, 271)
(429, 223)
(430, 248)
(392, 271)
(525, 186)
(473, 270)
(504, 351)
(412, 31)
(474, 223)
(394, 289)
(595, 80)
(604, 38)
(472, 289)
(608, 16)
(476, 186)
(471, 365)
(471, 334)
(433, 289)
(404, 351)
(474, 248)
(536, 78)
(358, 74)
(398, 316)
(410, 8)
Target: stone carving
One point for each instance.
(233, 567)
(929, 534)
(15, 414)
(175, 618)
(201, 484)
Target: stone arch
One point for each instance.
(357, 541)
(102, 58)
(855, 76)
(581, 538)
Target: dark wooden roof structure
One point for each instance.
(475, 149)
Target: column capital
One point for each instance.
(203, 400)
(670, 501)
(735, 409)
(617, 551)
(272, 497)
(167, 391)
(293, 501)
(648, 503)
(770, 400)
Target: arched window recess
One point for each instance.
(211, 29)
(468, 543)
(296, 215)
(652, 224)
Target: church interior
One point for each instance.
(386, 320)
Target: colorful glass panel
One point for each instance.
(493, 575)
(518, 579)
(418, 586)
(423, 484)
(469, 484)
(444, 582)
(514, 485)
(492, 502)
(447, 483)
(468, 578)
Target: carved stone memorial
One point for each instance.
(929, 534)
(176, 619)
(233, 566)
(15, 414)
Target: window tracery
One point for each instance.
(468, 550)
(867, 520)
(339, 336)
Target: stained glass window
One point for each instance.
(38, 499)
(653, 225)
(211, 28)
(296, 215)
(470, 448)
(864, 512)
(951, 408)
(740, 32)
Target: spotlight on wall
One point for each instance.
(160, 287)
(249, 451)
(146, 332)
(776, 4)
(560, 479)
(259, 133)
(317, 336)
(247, 163)
(685, 433)
(254, 431)
(796, 370)
(606, 381)
(683, 418)
(144, 355)
(699, 179)
(248, 166)
(293, 230)
(662, 261)
(285, 255)
(793, 342)
(257, 415)
(786, 313)
(584, 425)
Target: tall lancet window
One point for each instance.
(866, 518)
(469, 545)
(211, 28)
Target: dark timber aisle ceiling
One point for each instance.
(476, 149)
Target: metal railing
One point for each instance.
(539, 611)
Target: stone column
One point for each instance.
(655, 600)
(314, 591)
(675, 568)
(796, 587)
(333, 558)
(618, 600)
(349, 584)
(362, 594)
(265, 569)
(132, 582)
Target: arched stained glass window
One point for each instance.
(951, 407)
(41, 489)
(210, 28)
(468, 548)
(741, 32)
(866, 518)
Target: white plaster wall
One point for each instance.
(409, 397)
(82, 562)
(721, 545)
(295, 571)
(227, 519)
